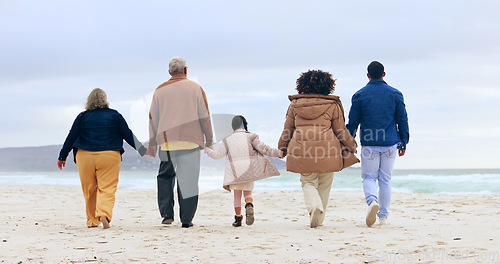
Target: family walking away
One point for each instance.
(245, 163)
(315, 141)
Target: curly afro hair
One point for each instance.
(315, 82)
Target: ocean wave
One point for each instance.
(475, 177)
(421, 181)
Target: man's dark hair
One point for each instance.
(315, 82)
(238, 122)
(376, 70)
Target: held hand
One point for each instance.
(61, 164)
(401, 152)
(151, 151)
(284, 154)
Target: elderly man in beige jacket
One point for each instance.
(179, 122)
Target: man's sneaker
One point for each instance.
(167, 221)
(382, 221)
(315, 216)
(371, 216)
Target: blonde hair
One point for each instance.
(97, 99)
(176, 65)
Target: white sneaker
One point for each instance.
(371, 216)
(382, 221)
(315, 216)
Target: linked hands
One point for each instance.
(208, 147)
(151, 151)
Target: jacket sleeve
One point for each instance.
(288, 129)
(402, 121)
(153, 121)
(73, 134)
(340, 130)
(265, 149)
(204, 116)
(219, 153)
(129, 137)
(354, 116)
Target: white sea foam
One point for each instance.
(475, 177)
(408, 181)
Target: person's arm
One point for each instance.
(340, 130)
(265, 149)
(219, 153)
(153, 126)
(402, 123)
(354, 116)
(73, 134)
(129, 137)
(204, 116)
(288, 129)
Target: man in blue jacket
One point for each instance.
(380, 110)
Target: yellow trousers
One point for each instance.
(99, 177)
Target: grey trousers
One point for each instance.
(185, 166)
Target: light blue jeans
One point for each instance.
(377, 163)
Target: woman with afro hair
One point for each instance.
(313, 136)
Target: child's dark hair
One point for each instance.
(238, 122)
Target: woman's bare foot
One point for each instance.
(105, 222)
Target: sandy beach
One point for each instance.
(47, 224)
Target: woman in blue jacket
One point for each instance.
(96, 139)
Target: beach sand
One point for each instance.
(47, 224)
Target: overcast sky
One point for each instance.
(443, 55)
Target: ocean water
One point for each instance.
(479, 181)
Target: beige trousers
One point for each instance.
(99, 177)
(316, 188)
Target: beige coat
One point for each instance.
(245, 160)
(179, 112)
(313, 130)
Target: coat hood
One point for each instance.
(311, 106)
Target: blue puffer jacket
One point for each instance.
(380, 109)
(99, 130)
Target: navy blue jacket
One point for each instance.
(380, 110)
(99, 130)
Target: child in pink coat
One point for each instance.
(245, 163)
